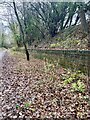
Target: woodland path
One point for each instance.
(2, 53)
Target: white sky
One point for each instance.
(45, 0)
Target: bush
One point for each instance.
(78, 86)
(55, 45)
(15, 48)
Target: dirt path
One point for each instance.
(2, 53)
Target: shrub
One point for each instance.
(78, 86)
(55, 45)
(15, 48)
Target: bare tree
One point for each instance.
(21, 30)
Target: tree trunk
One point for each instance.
(77, 19)
(85, 25)
(21, 30)
(27, 53)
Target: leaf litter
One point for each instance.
(28, 91)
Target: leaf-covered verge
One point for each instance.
(37, 89)
(72, 38)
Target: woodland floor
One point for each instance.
(29, 92)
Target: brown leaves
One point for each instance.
(29, 92)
